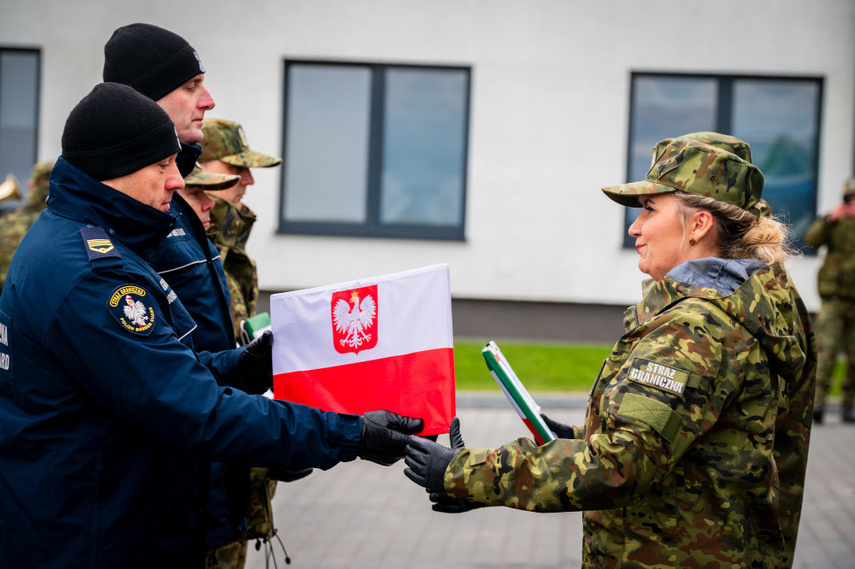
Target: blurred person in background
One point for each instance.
(16, 222)
(835, 327)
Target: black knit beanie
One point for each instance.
(114, 131)
(150, 59)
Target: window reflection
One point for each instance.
(326, 161)
(19, 95)
(375, 150)
(423, 147)
(778, 117)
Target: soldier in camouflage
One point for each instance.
(196, 186)
(226, 151)
(694, 448)
(835, 329)
(17, 222)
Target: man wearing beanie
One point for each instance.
(164, 67)
(108, 414)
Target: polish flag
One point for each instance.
(378, 343)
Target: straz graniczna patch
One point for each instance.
(664, 377)
(128, 306)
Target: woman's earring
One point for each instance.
(691, 240)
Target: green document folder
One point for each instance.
(254, 327)
(515, 391)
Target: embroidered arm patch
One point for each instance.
(659, 416)
(133, 308)
(666, 378)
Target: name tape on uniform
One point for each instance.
(664, 377)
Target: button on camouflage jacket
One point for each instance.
(696, 435)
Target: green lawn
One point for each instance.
(541, 367)
(545, 367)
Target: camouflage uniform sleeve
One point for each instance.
(657, 394)
(563, 475)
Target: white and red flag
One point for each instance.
(379, 343)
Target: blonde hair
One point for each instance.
(739, 234)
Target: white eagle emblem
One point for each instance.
(135, 312)
(350, 322)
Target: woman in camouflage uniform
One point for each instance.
(694, 448)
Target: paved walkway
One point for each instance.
(360, 515)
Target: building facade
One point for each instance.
(469, 132)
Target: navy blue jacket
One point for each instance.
(105, 411)
(191, 264)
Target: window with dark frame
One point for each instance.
(374, 150)
(19, 113)
(778, 116)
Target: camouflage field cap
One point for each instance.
(212, 182)
(699, 169)
(723, 141)
(224, 140)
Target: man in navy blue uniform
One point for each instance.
(164, 67)
(104, 405)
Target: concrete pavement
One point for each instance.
(360, 515)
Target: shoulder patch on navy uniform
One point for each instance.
(133, 308)
(666, 378)
(98, 245)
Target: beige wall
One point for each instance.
(549, 115)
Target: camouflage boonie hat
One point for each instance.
(212, 182)
(698, 169)
(224, 140)
(849, 187)
(723, 141)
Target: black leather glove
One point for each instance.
(561, 430)
(256, 363)
(282, 475)
(442, 502)
(427, 462)
(385, 435)
(446, 504)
